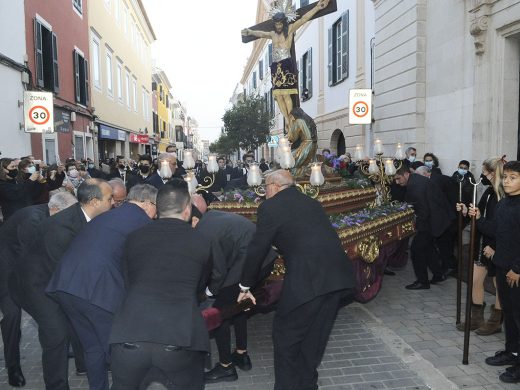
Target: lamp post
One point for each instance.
(380, 169)
(286, 160)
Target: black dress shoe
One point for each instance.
(512, 375)
(16, 378)
(219, 373)
(502, 358)
(418, 286)
(438, 279)
(241, 360)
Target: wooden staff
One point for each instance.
(459, 255)
(469, 295)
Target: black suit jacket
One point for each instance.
(315, 261)
(54, 235)
(429, 203)
(230, 235)
(16, 237)
(165, 267)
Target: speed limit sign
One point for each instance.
(360, 107)
(38, 112)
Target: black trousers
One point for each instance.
(446, 246)
(424, 256)
(11, 333)
(510, 301)
(227, 297)
(92, 325)
(131, 362)
(299, 339)
(55, 333)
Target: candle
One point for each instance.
(378, 147)
(358, 154)
(212, 163)
(390, 167)
(189, 162)
(254, 177)
(316, 178)
(372, 167)
(399, 153)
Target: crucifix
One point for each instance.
(281, 28)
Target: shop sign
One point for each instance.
(139, 138)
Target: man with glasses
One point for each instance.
(88, 282)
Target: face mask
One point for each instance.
(73, 173)
(90, 166)
(144, 168)
(31, 170)
(429, 164)
(462, 172)
(411, 159)
(13, 173)
(485, 180)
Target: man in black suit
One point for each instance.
(16, 236)
(160, 325)
(88, 283)
(318, 276)
(230, 235)
(432, 220)
(34, 270)
(144, 171)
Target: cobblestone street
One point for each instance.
(400, 340)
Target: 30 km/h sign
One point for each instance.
(38, 112)
(360, 104)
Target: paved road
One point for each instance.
(400, 340)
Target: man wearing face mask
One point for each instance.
(411, 155)
(144, 172)
(167, 166)
(92, 171)
(462, 174)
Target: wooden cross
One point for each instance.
(268, 25)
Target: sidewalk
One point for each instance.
(401, 340)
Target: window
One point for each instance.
(270, 53)
(81, 78)
(119, 81)
(110, 83)
(134, 95)
(125, 19)
(306, 75)
(145, 104)
(78, 6)
(304, 3)
(79, 151)
(254, 80)
(261, 69)
(46, 52)
(117, 10)
(96, 65)
(266, 62)
(338, 50)
(127, 83)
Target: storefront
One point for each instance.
(111, 141)
(138, 143)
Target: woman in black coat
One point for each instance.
(19, 187)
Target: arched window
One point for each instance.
(337, 142)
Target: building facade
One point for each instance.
(14, 78)
(58, 55)
(333, 56)
(162, 87)
(120, 36)
(447, 77)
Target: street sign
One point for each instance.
(38, 110)
(360, 107)
(273, 141)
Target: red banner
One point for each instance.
(139, 138)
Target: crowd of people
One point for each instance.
(118, 263)
(117, 266)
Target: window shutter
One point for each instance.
(344, 45)
(86, 83)
(38, 53)
(299, 65)
(55, 66)
(331, 80)
(270, 53)
(76, 76)
(309, 72)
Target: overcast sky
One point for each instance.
(199, 47)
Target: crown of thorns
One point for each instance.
(284, 7)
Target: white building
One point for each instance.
(447, 77)
(15, 142)
(334, 56)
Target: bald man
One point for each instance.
(318, 276)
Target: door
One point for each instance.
(50, 151)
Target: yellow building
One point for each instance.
(162, 86)
(120, 73)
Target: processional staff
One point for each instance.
(469, 297)
(459, 255)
